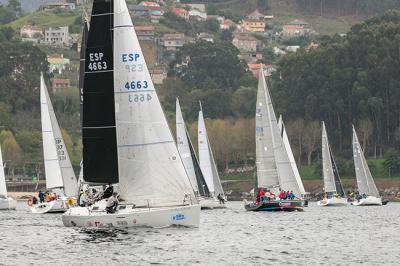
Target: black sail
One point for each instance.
(201, 182)
(99, 131)
(82, 65)
(338, 182)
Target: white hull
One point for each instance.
(55, 206)
(8, 204)
(129, 217)
(210, 203)
(369, 201)
(333, 202)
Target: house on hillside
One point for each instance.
(251, 57)
(313, 45)
(158, 74)
(245, 42)
(253, 25)
(296, 28)
(60, 83)
(145, 32)
(156, 13)
(256, 15)
(147, 4)
(255, 69)
(205, 37)
(31, 31)
(197, 15)
(57, 63)
(180, 12)
(199, 7)
(227, 24)
(56, 36)
(138, 11)
(171, 41)
(63, 6)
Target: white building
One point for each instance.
(56, 36)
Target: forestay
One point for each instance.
(365, 182)
(150, 169)
(299, 187)
(58, 168)
(3, 187)
(182, 143)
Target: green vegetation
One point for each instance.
(45, 19)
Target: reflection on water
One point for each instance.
(342, 235)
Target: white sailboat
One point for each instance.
(369, 194)
(60, 176)
(126, 138)
(274, 169)
(208, 166)
(191, 164)
(289, 152)
(334, 192)
(6, 202)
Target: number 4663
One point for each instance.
(136, 85)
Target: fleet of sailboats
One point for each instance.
(60, 176)
(6, 202)
(334, 192)
(126, 137)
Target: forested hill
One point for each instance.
(347, 80)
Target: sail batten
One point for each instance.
(148, 174)
(365, 182)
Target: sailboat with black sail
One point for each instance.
(191, 163)
(60, 176)
(274, 170)
(126, 138)
(368, 192)
(334, 192)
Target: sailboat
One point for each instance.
(60, 176)
(6, 202)
(274, 169)
(191, 163)
(299, 183)
(334, 192)
(368, 193)
(126, 137)
(208, 166)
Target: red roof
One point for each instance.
(179, 11)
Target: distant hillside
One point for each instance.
(325, 16)
(44, 19)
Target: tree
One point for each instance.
(312, 138)
(392, 161)
(12, 154)
(6, 15)
(365, 129)
(15, 5)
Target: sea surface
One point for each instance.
(318, 236)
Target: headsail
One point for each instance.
(206, 159)
(150, 169)
(365, 182)
(299, 182)
(58, 168)
(3, 187)
(182, 143)
(98, 120)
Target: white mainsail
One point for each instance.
(150, 169)
(327, 167)
(206, 159)
(3, 187)
(274, 168)
(292, 161)
(58, 168)
(365, 182)
(182, 143)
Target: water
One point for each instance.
(330, 236)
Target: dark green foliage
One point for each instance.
(392, 162)
(7, 15)
(346, 80)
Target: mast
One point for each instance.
(365, 182)
(151, 172)
(3, 187)
(98, 120)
